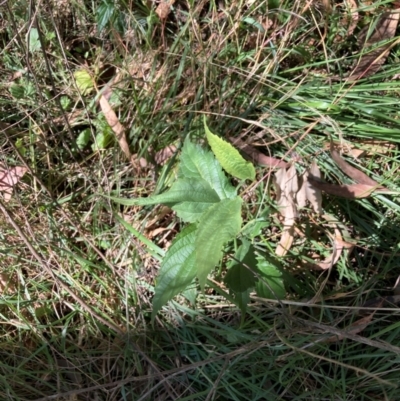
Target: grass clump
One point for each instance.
(78, 270)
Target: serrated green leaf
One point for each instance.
(197, 162)
(240, 276)
(183, 190)
(178, 268)
(270, 285)
(231, 160)
(191, 212)
(218, 224)
(105, 12)
(83, 81)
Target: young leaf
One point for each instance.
(178, 268)
(270, 285)
(231, 160)
(84, 81)
(240, 276)
(219, 224)
(197, 162)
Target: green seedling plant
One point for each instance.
(203, 197)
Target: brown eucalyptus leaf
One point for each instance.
(256, 156)
(286, 239)
(308, 192)
(371, 60)
(292, 182)
(353, 191)
(10, 177)
(115, 125)
(351, 171)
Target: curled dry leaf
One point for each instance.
(372, 59)
(164, 8)
(8, 178)
(257, 157)
(115, 125)
(339, 245)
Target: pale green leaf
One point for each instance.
(240, 276)
(270, 285)
(231, 160)
(219, 224)
(178, 268)
(197, 162)
(84, 81)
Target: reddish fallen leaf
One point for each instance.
(355, 327)
(8, 178)
(375, 44)
(257, 157)
(352, 172)
(338, 247)
(351, 191)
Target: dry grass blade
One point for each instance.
(8, 178)
(371, 61)
(115, 125)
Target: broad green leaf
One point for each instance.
(231, 160)
(102, 140)
(84, 138)
(240, 276)
(218, 224)
(197, 162)
(178, 268)
(34, 41)
(191, 212)
(270, 285)
(183, 190)
(84, 81)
